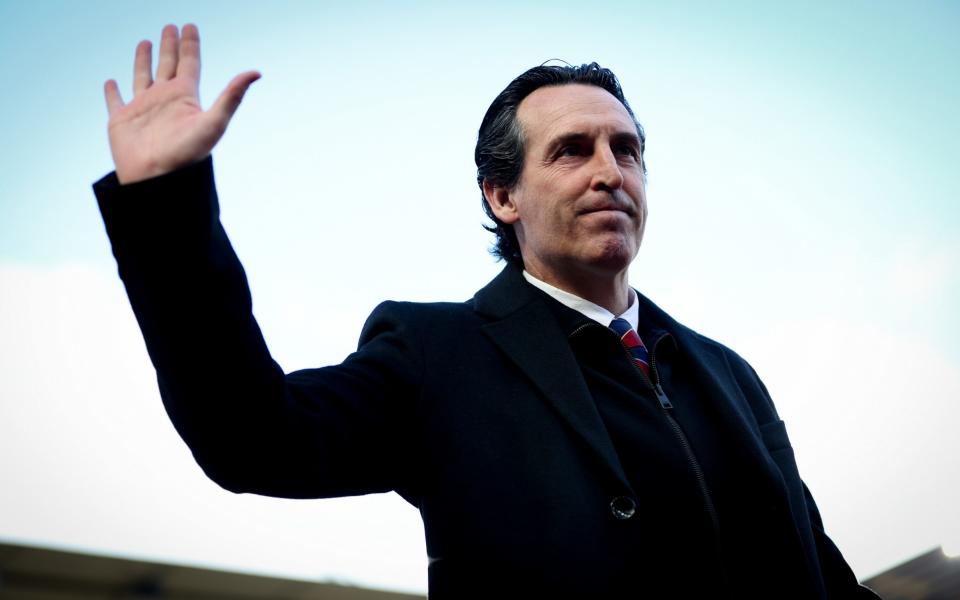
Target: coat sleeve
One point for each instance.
(838, 578)
(333, 431)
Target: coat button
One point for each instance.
(623, 507)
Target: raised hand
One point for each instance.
(164, 127)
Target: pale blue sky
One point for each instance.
(804, 197)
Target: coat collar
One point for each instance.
(505, 294)
(524, 327)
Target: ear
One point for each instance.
(500, 200)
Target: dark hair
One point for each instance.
(500, 143)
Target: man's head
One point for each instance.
(560, 163)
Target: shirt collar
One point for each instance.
(585, 307)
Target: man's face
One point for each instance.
(579, 208)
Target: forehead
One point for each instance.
(553, 111)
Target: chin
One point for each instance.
(613, 256)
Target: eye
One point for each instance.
(570, 150)
(627, 150)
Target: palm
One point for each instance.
(164, 127)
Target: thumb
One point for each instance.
(229, 99)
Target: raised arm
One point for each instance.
(323, 432)
(164, 127)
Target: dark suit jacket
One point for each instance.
(475, 412)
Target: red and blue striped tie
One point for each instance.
(634, 345)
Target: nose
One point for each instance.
(607, 174)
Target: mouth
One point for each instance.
(606, 208)
(608, 203)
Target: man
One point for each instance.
(549, 455)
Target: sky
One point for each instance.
(804, 209)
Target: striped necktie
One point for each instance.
(634, 345)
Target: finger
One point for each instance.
(189, 64)
(167, 62)
(142, 66)
(112, 94)
(229, 99)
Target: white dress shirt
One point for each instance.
(587, 308)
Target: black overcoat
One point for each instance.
(475, 412)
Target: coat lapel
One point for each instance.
(524, 328)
